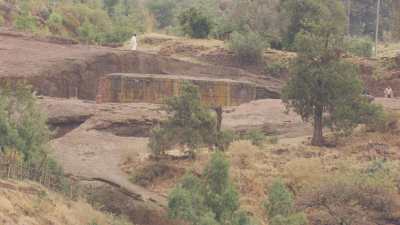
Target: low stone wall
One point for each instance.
(122, 87)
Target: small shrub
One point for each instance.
(160, 141)
(353, 197)
(275, 68)
(1, 21)
(280, 200)
(87, 32)
(121, 30)
(360, 46)
(158, 170)
(210, 200)
(224, 139)
(194, 23)
(26, 22)
(383, 121)
(248, 48)
(273, 140)
(55, 22)
(303, 172)
(93, 222)
(280, 206)
(222, 29)
(256, 137)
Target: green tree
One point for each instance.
(195, 23)
(299, 13)
(210, 200)
(22, 125)
(163, 11)
(280, 206)
(26, 22)
(396, 19)
(322, 83)
(55, 23)
(109, 5)
(190, 123)
(248, 48)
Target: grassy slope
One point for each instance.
(27, 203)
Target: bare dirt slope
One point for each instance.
(23, 56)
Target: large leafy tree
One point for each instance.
(322, 83)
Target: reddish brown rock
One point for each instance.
(156, 88)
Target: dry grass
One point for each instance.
(26, 203)
(388, 50)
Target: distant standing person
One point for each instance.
(389, 93)
(133, 43)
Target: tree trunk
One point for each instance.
(349, 17)
(318, 139)
(396, 20)
(218, 111)
(378, 9)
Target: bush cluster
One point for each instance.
(360, 46)
(91, 22)
(248, 48)
(25, 22)
(275, 68)
(256, 137)
(280, 206)
(349, 199)
(190, 125)
(194, 23)
(210, 199)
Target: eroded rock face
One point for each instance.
(94, 151)
(59, 70)
(157, 88)
(126, 120)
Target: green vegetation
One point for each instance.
(256, 137)
(22, 125)
(194, 23)
(275, 22)
(248, 48)
(163, 11)
(24, 136)
(362, 47)
(322, 82)
(209, 200)
(275, 68)
(26, 22)
(351, 196)
(280, 206)
(88, 21)
(190, 125)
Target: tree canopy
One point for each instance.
(209, 200)
(322, 82)
(22, 125)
